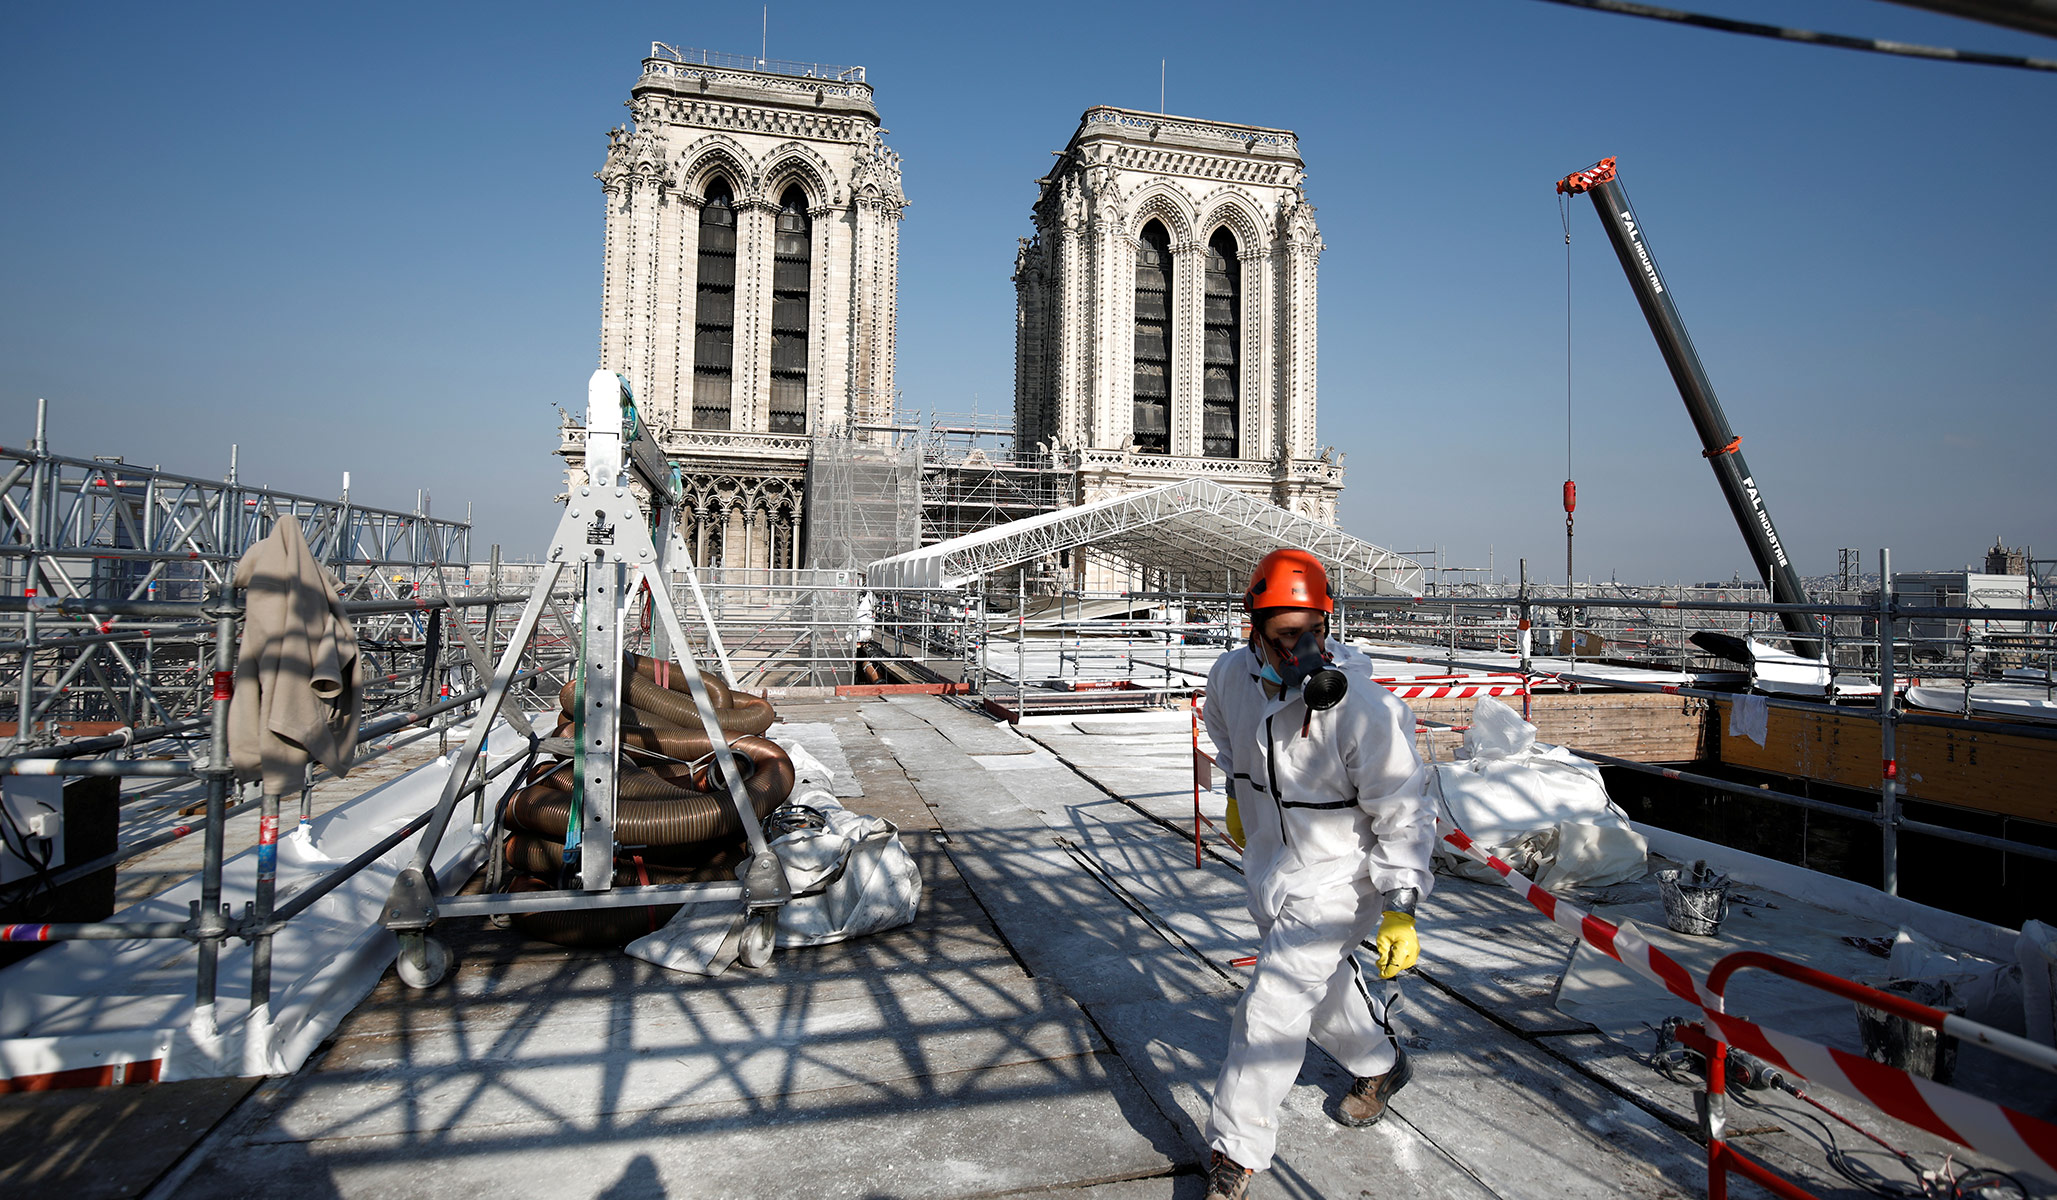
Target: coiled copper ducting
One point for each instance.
(674, 819)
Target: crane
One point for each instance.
(1719, 443)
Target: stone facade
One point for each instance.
(751, 268)
(1165, 312)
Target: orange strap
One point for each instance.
(1731, 448)
(643, 877)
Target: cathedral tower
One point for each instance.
(1165, 312)
(752, 258)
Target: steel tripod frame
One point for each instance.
(602, 537)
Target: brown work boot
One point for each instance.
(1227, 1179)
(1366, 1100)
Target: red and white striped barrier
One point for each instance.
(1623, 945)
(1447, 691)
(1989, 1128)
(1968, 1120)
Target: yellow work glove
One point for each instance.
(1235, 820)
(1398, 947)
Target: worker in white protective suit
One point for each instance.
(1323, 773)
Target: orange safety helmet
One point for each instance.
(1289, 579)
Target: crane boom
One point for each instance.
(1719, 443)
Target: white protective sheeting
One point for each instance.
(92, 1003)
(1537, 806)
(2018, 701)
(700, 939)
(851, 878)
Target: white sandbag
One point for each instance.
(1539, 807)
(1530, 854)
(1499, 800)
(852, 878)
(1593, 855)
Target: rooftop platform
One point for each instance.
(1049, 1025)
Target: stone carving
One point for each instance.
(876, 174)
(1028, 255)
(1157, 125)
(703, 158)
(793, 161)
(634, 157)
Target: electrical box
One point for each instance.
(33, 826)
(81, 822)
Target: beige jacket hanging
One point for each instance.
(297, 693)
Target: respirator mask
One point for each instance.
(1307, 667)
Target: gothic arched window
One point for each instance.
(791, 253)
(714, 311)
(1152, 401)
(1224, 377)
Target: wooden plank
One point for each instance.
(85, 1144)
(1996, 772)
(901, 689)
(1643, 726)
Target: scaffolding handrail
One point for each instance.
(691, 57)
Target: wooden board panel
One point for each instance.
(1640, 725)
(1993, 772)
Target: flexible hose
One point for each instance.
(686, 745)
(675, 678)
(648, 811)
(767, 773)
(648, 704)
(743, 713)
(535, 854)
(677, 815)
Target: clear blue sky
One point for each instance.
(366, 238)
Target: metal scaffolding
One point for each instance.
(603, 546)
(863, 502)
(973, 477)
(1194, 534)
(88, 533)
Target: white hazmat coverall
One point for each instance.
(1333, 816)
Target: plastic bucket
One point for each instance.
(1906, 1045)
(1694, 902)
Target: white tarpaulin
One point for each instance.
(1537, 806)
(851, 877)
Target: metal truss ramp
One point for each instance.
(1195, 529)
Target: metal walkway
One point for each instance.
(1198, 533)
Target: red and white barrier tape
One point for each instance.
(1984, 1126)
(1454, 691)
